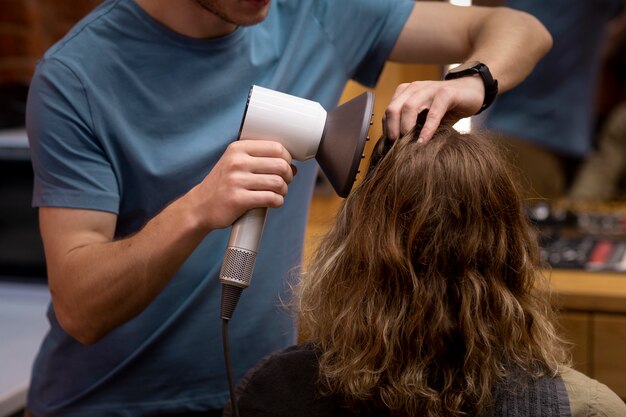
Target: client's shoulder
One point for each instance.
(589, 397)
(286, 383)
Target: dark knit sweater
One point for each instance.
(285, 385)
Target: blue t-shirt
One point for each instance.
(125, 116)
(553, 107)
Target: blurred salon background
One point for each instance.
(564, 131)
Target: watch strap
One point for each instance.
(491, 85)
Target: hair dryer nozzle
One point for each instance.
(341, 148)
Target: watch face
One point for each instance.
(464, 66)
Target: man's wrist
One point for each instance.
(472, 68)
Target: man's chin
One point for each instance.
(239, 13)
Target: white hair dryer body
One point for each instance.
(336, 139)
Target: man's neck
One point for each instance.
(187, 18)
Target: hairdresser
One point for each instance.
(132, 118)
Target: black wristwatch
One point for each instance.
(474, 67)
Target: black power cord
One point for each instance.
(230, 298)
(229, 372)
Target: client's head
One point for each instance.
(424, 292)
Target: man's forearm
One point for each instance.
(511, 43)
(101, 285)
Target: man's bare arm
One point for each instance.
(98, 282)
(510, 42)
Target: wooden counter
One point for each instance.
(593, 318)
(590, 291)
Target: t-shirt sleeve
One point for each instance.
(70, 166)
(363, 32)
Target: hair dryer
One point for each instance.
(336, 139)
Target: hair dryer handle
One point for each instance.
(243, 246)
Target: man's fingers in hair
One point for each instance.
(436, 113)
(405, 105)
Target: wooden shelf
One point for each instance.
(593, 319)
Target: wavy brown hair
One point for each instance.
(427, 290)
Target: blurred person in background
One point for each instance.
(602, 176)
(548, 120)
